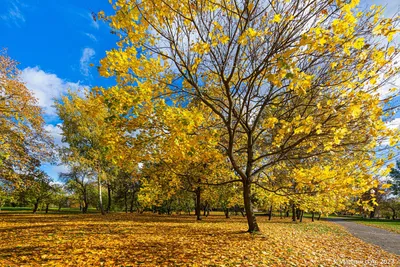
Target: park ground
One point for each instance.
(120, 239)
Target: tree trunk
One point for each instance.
(372, 214)
(293, 212)
(270, 213)
(312, 216)
(100, 195)
(251, 218)
(298, 213)
(36, 205)
(287, 213)
(226, 211)
(198, 203)
(319, 216)
(132, 202)
(47, 207)
(126, 201)
(109, 197)
(393, 214)
(85, 201)
(301, 215)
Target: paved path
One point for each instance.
(388, 241)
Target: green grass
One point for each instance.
(390, 225)
(51, 210)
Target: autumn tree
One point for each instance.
(395, 179)
(287, 80)
(23, 141)
(78, 178)
(85, 131)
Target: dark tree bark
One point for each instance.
(206, 209)
(85, 201)
(132, 201)
(293, 212)
(287, 213)
(270, 213)
(393, 213)
(298, 213)
(198, 203)
(251, 218)
(36, 205)
(226, 211)
(312, 216)
(47, 208)
(301, 215)
(126, 201)
(319, 216)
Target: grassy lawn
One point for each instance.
(42, 211)
(155, 240)
(390, 225)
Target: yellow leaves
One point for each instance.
(386, 186)
(252, 33)
(358, 43)
(270, 122)
(277, 18)
(355, 110)
(201, 48)
(391, 50)
(120, 239)
(224, 39)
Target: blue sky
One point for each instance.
(56, 40)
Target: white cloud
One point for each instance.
(54, 170)
(91, 36)
(87, 55)
(55, 132)
(94, 23)
(13, 14)
(47, 87)
(394, 124)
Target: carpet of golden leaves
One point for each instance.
(155, 240)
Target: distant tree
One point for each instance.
(395, 179)
(78, 180)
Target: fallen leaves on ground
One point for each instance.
(155, 240)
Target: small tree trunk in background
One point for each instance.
(36, 206)
(100, 195)
(312, 216)
(126, 201)
(287, 213)
(301, 215)
(293, 213)
(226, 213)
(109, 197)
(47, 207)
(270, 213)
(132, 201)
(319, 216)
(198, 203)
(251, 218)
(298, 212)
(393, 214)
(85, 201)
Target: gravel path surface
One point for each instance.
(388, 241)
